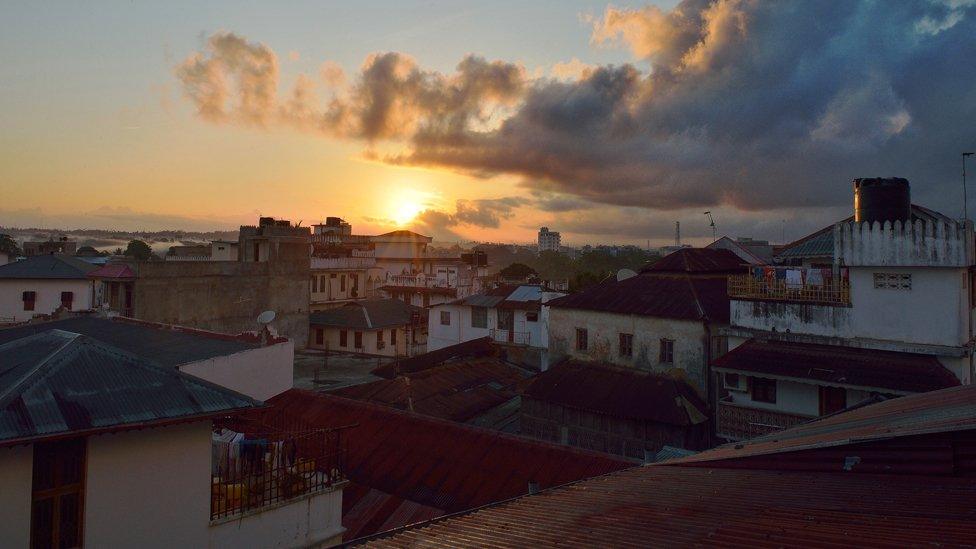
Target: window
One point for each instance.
(479, 317)
(66, 299)
(343, 338)
(532, 317)
(626, 344)
(29, 299)
(342, 283)
(319, 336)
(358, 340)
(379, 339)
(315, 287)
(667, 351)
(58, 494)
(764, 390)
(582, 339)
(445, 318)
(734, 382)
(393, 337)
(892, 281)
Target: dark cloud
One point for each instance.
(744, 104)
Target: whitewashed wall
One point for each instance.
(311, 521)
(258, 373)
(16, 466)
(48, 296)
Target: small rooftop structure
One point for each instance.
(48, 266)
(371, 314)
(57, 383)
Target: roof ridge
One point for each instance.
(694, 293)
(70, 338)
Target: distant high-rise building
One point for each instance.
(549, 241)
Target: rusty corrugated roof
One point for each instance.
(472, 348)
(662, 506)
(698, 261)
(431, 462)
(620, 392)
(836, 365)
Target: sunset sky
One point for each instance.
(481, 120)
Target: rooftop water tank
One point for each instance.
(882, 199)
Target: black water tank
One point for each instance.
(882, 199)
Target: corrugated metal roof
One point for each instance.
(371, 314)
(432, 462)
(167, 346)
(113, 270)
(680, 297)
(457, 391)
(620, 392)
(944, 411)
(473, 348)
(663, 506)
(697, 261)
(836, 365)
(58, 382)
(47, 266)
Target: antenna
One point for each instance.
(711, 223)
(266, 317)
(677, 234)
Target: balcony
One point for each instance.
(737, 422)
(827, 290)
(262, 473)
(511, 337)
(417, 281)
(326, 263)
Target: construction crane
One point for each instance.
(711, 223)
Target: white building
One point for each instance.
(549, 241)
(41, 284)
(338, 280)
(375, 327)
(889, 304)
(515, 315)
(125, 458)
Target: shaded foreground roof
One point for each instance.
(371, 314)
(840, 366)
(679, 297)
(665, 506)
(472, 348)
(457, 391)
(47, 266)
(697, 261)
(426, 463)
(113, 270)
(168, 346)
(620, 392)
(58, 382)
(948, 411)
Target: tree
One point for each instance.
(138, 249)
(9, 246)
(517, 271)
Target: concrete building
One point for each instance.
(509, 314)
(60, 245)
(340, 279)
(42, 284)
(221, 296)
(549, 241)
(127, 442)
(666, 319)
(376, 327)
(216, 250)
(886, 295)
(248, 363)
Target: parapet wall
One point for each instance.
(918, 244)
(224, 296)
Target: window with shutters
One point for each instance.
(445, 318)
(764, 390)
(582, 339)
(66, 299)
(667, 351)
(626, 344)
(58, 494)
(358, 340)
(30, 298)
(343, 338)
(479, 317)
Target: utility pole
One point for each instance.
(965, 212)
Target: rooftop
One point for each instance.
(47, 266)
(165, 345)
(697, 261)
(113, 270)
(57, 382)
(840, 366)
(473, 348)
(679, 297)
(412, 466)
(620, 392)
(372, 314)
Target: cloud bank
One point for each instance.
(746, 104)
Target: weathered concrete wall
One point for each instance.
(310, 521)
(16, 466)
(801, 318)
(258, 373)
(604, 336)
(224, 296)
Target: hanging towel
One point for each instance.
(794, 278)
(815, 277)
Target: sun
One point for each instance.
(405, 210)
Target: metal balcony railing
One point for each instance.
(740, 422)
(511, 336)
(831, 290)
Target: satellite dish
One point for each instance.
(266, 317)
(624, 274)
